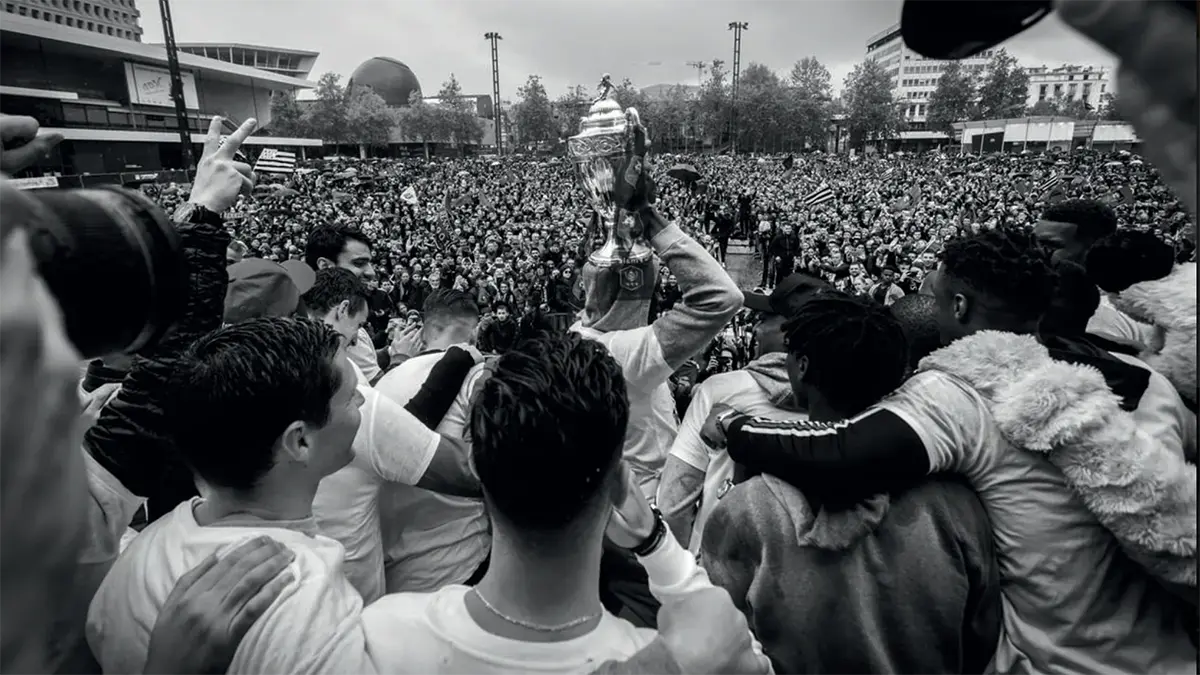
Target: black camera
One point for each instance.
(111, 258)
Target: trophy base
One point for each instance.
(611, 255)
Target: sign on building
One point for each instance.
(149, 85)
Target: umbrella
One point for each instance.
(1136, 162)
(1112, 164)
(684, 172)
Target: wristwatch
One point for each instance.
(195, 214)
(657, 535)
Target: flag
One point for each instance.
(1049, 183)
(276, 161)
(409, 196)
(818, 197)
(789, 162)
(1126, 193)
(890, 171)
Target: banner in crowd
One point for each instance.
(276, 161)
(819, 196)
(409, 196)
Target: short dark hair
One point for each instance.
(857, 352)
(1007, 264)
(333, 286)
(447, 304)
(1092, 219)
(1125, 258)
(328, 241)
(238, 388)
(917, 315)
(553, 414)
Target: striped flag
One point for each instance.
(889, 172)
(818, 197)
(276, 161)
(1049, 184)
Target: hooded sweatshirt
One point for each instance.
(615, 313)
(893, 585)
(762, 387)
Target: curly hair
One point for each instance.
(547, 429)
(857, 351)
(1092, 219)
(1125, 258)
(237, 389)
(917, 315)
(1006, 264)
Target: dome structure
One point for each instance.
(391, 79)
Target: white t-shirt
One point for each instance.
(1109, 320)
(652, 423)
(438, 634)
(430, 540)
(313, 627)
(1073, 603)
(391, 446)
(739, 390)
(362, 354)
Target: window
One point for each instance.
(1057, 90)
(110, 30)
(35, 14)
(74, 114)
(70, 22)
(1042, 91)
(58, 18)
(1071, 91)
(107, 13)
(91, 26)
(76, 5)
(1070, 78)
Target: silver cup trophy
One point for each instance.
(599, 152)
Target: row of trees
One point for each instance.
(794, 112)
(358, 116)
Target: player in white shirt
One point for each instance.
(551, 416)
(263, 411)
(349, 249)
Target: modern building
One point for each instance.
(290, 62)
(116, 18)
(391, 79)
(110, 97)
(914, 77)
(1068, 83)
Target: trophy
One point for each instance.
(600, 151)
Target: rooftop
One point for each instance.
(239, 45)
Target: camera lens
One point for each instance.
(111, 258)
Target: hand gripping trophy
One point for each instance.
(609, 153)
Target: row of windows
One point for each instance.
(917, 110)
(90, 9)
(1085, 92)
(71, 21)
(54, 114)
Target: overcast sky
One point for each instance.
(569, 41)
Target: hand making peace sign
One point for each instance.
(220, 177)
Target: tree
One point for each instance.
(629, 96)
(872, 113)
(809, 103)
(761, 109)
(713, 108)
(952, 100)
(287, 117)
(1004, 90)
(1109, 107)
(533, 115)
(326, 117)
(461, 122)
(568, 109)
(369, 121)
(422, 122)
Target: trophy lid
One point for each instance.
(604, 114)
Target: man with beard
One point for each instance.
(500, 333)
(1065, 473)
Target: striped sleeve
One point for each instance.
(837, 462)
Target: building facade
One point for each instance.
(914, 77)
(110, 97)
(115, 18)
(290, 62)
(1068, 83)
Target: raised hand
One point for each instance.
(219, 177)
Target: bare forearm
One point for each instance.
(679, 494)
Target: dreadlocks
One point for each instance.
(1007, 265)
(856, 350)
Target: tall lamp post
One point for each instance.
(737, 27)
(181, 117)
(494, 38)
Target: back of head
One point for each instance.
(1005, 270)
(448, 308)
(328, 242)
(1093, 220)
(332, 287)
(918, 319)
(1127, 257)
(237, 389)
(1073, 303)
(552, 415)
(855, 349)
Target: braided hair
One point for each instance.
(857, 352)
(1006, 264)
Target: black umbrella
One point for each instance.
(684, 172)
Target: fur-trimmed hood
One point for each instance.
(1169, 304)
(1142, 492)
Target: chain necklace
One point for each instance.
(573, 623)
